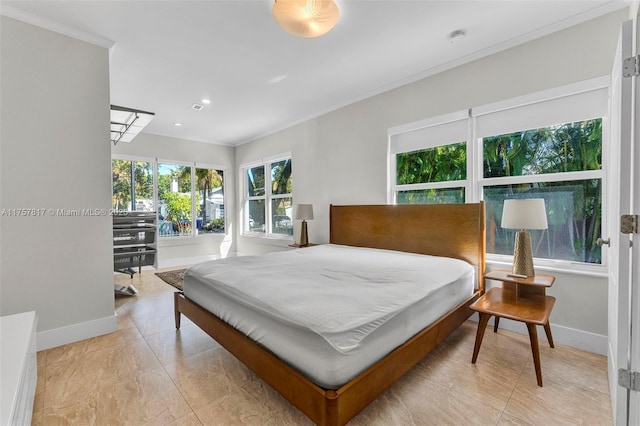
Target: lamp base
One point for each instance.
(304, 237)
(522, 254)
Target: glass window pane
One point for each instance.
(567, 147)
(210, 206)
(439, 164)
(143, 194)
(573, 215)
(431, 196)
(128, 197)
(121, 175)
(174, 199)
(281, 177)
(281, 214)
(256, 216)
(255, 181)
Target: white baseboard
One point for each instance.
(73, 333)
(184, 261)
(578, 339)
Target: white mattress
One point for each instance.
(330, 311)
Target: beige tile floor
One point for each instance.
(147, 373)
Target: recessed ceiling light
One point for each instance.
(197, 107)
(456, 36)
(206, 101)
(177, 124)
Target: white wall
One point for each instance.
(341, 157)
(185, 250)
(55, 154)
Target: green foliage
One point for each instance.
(568, 147)
(216, 225)
(432, 196)
(178, 206)
(281, 182)
(438, 164)
(143, 182)
(573, 207)
(256, 182)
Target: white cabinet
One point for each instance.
(18, 368)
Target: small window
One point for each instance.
(438, 175)
(174, 200)
(268, 199)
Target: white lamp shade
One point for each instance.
(524, 214)
(304, 212)
(306, 18)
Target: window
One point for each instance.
(547, 145)
(210, 196)
(420, 169)
(561, 164)
(189, 196)
(268, 201)
(429, 160)
(174, 200)
(132, 185)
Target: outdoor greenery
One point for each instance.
(174, 198)
(439, 164)
(281, 182)
(281, 187)
(143, 182)
(573, 206)
(206, 181)
(565, 148)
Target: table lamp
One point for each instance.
(304, 212)
(523, 214)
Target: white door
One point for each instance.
(634, 396)
(619, 198)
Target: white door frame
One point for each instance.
(634, 356)
(619, 202)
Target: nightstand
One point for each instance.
(519, 299)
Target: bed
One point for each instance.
(330, 390)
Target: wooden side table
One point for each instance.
(519, 299)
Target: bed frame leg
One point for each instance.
(176, 311)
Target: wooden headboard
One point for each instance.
(451, 230)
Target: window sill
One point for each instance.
(273, 237)
(573, 268)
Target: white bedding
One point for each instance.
(330, 311)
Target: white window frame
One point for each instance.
(425, 134)
(156, 199)
(216, 167)
(590, 93)
(267, 197)
(157, 175)
(140, 159)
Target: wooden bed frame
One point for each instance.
(452, 230)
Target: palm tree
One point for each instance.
(206, 180)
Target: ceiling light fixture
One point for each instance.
(306, 18)
(177, 124)
(206, 101)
